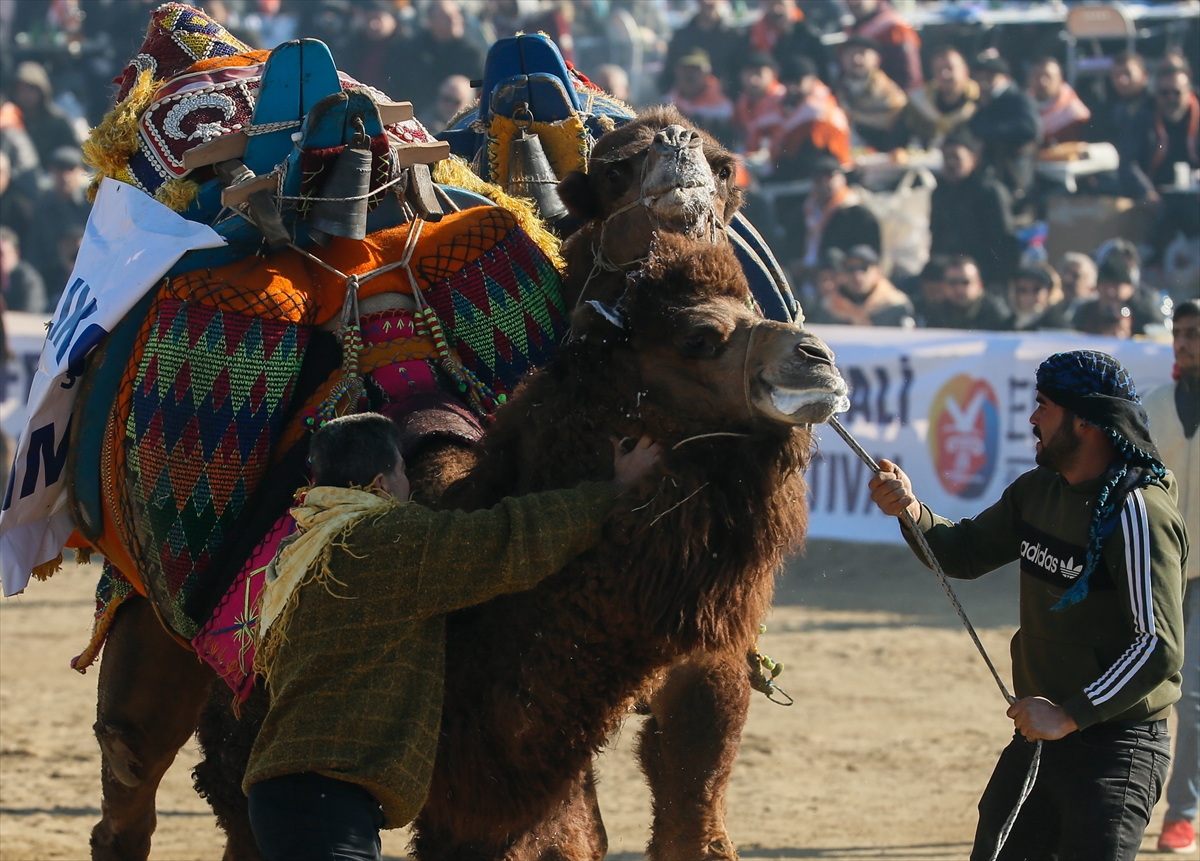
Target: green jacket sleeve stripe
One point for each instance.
(1137, 568)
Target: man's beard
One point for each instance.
(1060, 451)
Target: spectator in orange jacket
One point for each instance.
(1064, 115)
(812, 124)
(698, 95)
(899, 44)
(757, 112)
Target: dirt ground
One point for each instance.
(893, 735)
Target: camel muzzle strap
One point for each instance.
(931, 560)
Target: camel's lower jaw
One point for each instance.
(808, 406)
(684, 206)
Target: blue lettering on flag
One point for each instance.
(77, 307)
(42, 451)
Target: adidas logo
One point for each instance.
(1043, 557)
(1069, 570)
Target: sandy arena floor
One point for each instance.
(895, 729)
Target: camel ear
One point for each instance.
(577, 196)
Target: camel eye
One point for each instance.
(724, 173)
(701, 343)
(613, 174)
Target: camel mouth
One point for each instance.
(684, 204)
(808, 406)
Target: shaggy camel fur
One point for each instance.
(541, 679)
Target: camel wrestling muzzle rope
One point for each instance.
(931, 559)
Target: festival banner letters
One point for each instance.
(952, 408)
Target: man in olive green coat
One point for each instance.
(352, 633)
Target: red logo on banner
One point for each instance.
(964, 435)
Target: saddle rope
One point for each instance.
(931, 559)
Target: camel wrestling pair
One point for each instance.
(508, 364)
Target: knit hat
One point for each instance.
(1096, 388)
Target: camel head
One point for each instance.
(708, 361)
(657, 173)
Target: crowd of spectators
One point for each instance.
(801, 91)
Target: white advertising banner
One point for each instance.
(131, 240)
(952, 408)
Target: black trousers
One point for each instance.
(311, 817)
(1093, 796)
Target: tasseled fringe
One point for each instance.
(454, 171)
(100, 630)
(83, 555)
(111, 143)
(48, 569)
(177, 194)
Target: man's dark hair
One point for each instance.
(350, 451)
(935, 269)
(1115, 269)
(962, 136)
(961, 261)
(1190, 308)
(945, 51)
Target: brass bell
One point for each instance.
(530, 175)
(344, 213)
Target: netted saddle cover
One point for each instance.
(503, 312)
(210, 391)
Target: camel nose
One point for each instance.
(813, 349)
(676, 137)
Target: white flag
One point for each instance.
(131, 241)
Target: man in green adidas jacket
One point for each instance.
(1096, 661)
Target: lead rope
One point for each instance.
(931, 559)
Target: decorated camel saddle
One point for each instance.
(273, 244)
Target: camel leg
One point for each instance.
(150, 693)
(687, 749)
(225, 741)
(571, 831)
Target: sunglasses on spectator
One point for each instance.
(1025, 291)
(1170, 92)
(857, 267)
(958, 282)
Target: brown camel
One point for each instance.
(146, 712)
(541, 679)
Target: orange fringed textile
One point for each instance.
(289, 286)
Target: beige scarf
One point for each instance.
(323, 515)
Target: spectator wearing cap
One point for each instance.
(1117, 292)
(783, 32)
(812, 124)
(45, 123)
(971, 213)
(1130, 85)
(899, 44)
(871, 99)
(1009, 125)
(60, 208)
(757, 112)
(826, 278)
(709, 31)
(945, 103)
(1034, 290)
(931, 288)
(20, 284)
(698, 95)
(1064, 115)
(864, 297)
(1077, 278)
(833, 214)
(964, 303)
